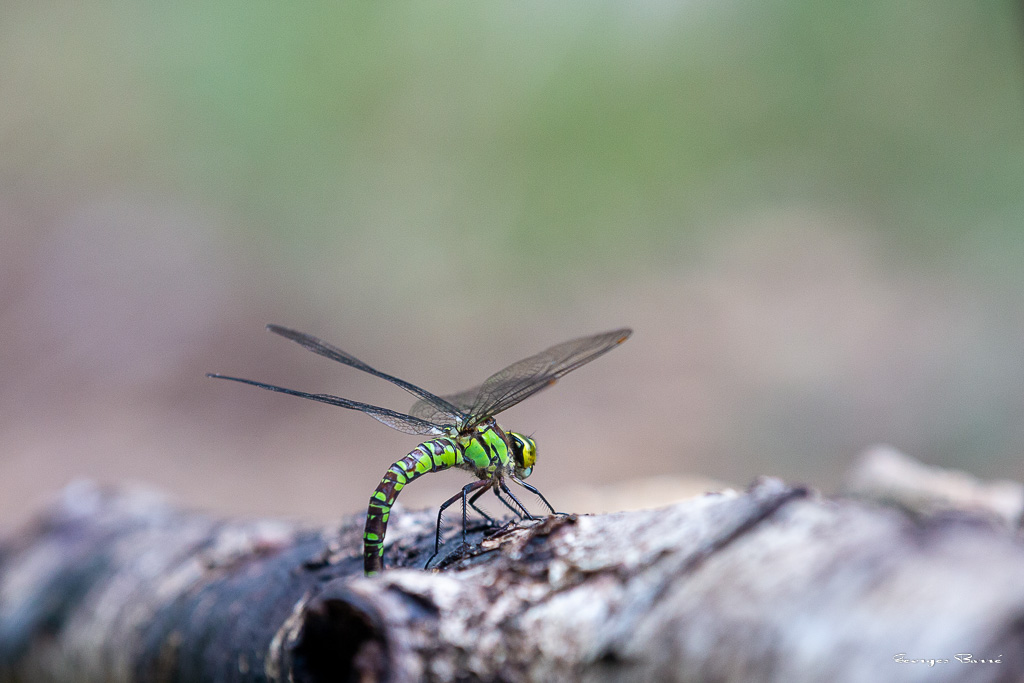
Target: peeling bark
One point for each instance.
(772, 584)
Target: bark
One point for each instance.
(773, 584)
(886, 475)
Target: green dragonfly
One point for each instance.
(468, 436)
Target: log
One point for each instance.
(776, 583)
(884, 474)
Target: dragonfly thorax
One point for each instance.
(487, 448)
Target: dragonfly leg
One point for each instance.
(497, 493)
(437, 535)
(480, 483)
(518, 513)
(533, 489)
(472, 504)
(525, 514)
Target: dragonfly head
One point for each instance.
(524, 451)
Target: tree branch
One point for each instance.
(773, 584)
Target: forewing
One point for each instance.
(441, 411)
(395, 420)
(462, 401)
(521, 380)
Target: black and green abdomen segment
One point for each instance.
(431, 456)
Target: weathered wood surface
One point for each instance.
(772, 584)
(888, 476)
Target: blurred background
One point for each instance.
(811, 215)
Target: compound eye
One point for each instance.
(529, 453)
(517, 450)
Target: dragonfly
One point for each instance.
(467, 435)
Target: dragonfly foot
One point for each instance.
(431, 559)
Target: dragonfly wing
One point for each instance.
(442, 410)
(521, 380)
(463, 401)
(393, 419)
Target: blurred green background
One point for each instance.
(810, 213)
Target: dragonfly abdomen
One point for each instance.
(430, 456)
